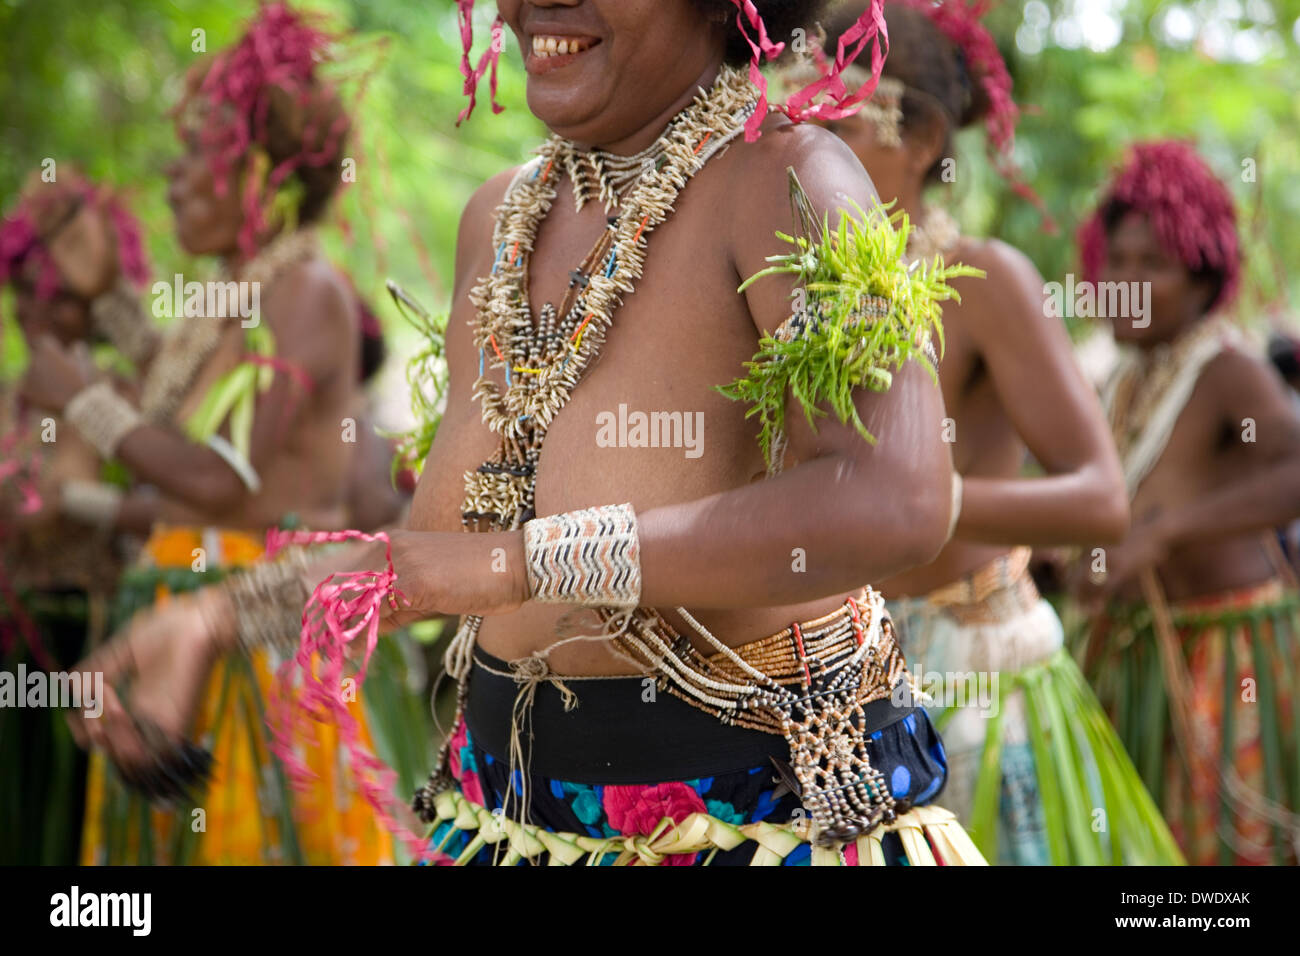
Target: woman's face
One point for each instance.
(1174, 298)
(206, 224)
(625, 61)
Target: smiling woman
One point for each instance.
(655, 56)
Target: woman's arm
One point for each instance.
(1082, 498)
(859, 512)
(308, 316)
(1267, 495)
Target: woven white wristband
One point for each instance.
(590, 557)
(90, 502)
(102, 416)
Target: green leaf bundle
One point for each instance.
(864, 312)
(234, 395)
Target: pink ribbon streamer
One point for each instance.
(761, 47)
(807, 104)
(343, 608)
(489, 60)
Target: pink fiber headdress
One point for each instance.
(825, 99)
(280, 51)
(20, 240)
(1189, 208)
(959, 21)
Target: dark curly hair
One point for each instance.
(781, 17)
(939, 85)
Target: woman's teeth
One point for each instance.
(544, 46)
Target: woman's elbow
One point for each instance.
(1113, 518)
(926, 517)
(1093, 508)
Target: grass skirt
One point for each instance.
(1227, 793)
(1036, 772)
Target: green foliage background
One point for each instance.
(91, 83)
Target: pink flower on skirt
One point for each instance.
(470, 785)
(637, 811)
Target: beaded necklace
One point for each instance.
(542, 362)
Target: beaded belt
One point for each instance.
(1001, 589)
(812, 683)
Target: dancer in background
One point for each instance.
(239, 424)
(61, 510)
(1010, 385)
(1198, 652)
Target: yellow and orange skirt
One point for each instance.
(248, 814)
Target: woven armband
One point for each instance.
(268, 600)
(119, 318)
(590, 557)
(102, 416)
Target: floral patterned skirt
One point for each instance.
(734, 816)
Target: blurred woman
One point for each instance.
(1010, 385)
(241, 426)
(60, 510)
(1196, 652)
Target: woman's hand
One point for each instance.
(1146, 546)
(441, 573)
(162, 661)
(55, 374)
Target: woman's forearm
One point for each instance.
(1266, 500)
(180, 469)
(1077, 508)
(808, 533)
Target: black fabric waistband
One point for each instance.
(621, 734)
